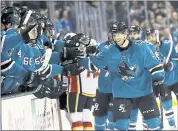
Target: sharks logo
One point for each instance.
(127, 72)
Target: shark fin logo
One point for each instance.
(127, 72)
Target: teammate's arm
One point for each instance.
(11, 41)
(156, 69)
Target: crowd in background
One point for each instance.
(161, 15)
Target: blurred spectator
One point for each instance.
(151, 17)
(174, 20)
(58, 25)
(137, 11)
(120, 10)
(160, 22)
(65, 21)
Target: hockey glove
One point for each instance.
(71, 53)
(72, 69)
(77, 40)
(49, 44)
(158, 88)
(58, 89)
(91, 50)
(52, 89)
(169, 66)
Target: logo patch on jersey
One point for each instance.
(127, 72)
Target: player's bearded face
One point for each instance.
(33, 33)
(152, 38)
(119, 38)
(134, 36)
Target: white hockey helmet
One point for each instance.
(68, 35)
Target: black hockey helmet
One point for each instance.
(135, 28)
(32, 21)
(48, 24)
(49, 28)
(150, 31)
(118, 27)
(10, 15)
(31, 24)
(23, 11)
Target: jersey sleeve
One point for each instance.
(58, 45)
(88, 65)
(99, 61)
(152, 63)
(11, 41)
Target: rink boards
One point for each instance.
(27, 112)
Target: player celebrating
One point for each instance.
(130, 64)
(10, 20)
(80, 96)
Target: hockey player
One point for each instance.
(12, 72)
(171, 68)
(31, 54)
(135, 32)
(103, 94)
(82, 89)
(130, 64)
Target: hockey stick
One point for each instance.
(170, 51)
(165, 62)
(161, 111)
(59, 114)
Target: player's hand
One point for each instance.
(169, 66)
(77, 41)
(91, 50)
(71, 53)
(84, 39)
(57, 90)
(49, 45)
(51, 88)
(72, 69)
